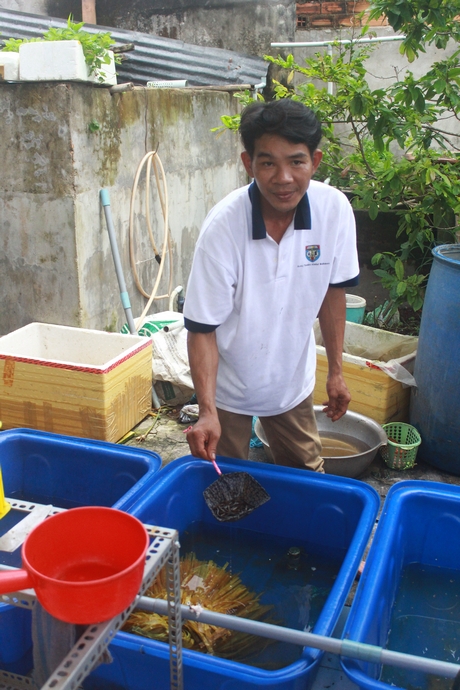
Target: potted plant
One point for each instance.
(65, 53)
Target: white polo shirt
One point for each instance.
(264, 297)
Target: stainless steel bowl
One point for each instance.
(352, 424)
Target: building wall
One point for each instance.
(245, 26)
(30, 6)
(248, 28)
(60, 145)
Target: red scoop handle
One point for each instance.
(14, 581)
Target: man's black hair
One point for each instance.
(287, 118)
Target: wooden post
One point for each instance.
(88, 11)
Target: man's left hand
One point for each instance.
(339, 397)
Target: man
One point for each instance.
(269, 260)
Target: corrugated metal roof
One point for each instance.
(153, 58)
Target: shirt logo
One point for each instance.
(313, 252)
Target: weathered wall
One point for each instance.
(248, 28)
(245, 26)
(30, 6)
(56, 264)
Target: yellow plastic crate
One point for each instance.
(74, 381)
(373, 392)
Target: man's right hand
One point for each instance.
(204, 436)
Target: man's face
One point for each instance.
(282, 170)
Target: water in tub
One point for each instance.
(425, 621)
(290, 579)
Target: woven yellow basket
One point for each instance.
(402, 446)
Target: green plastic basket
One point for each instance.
(401, 449)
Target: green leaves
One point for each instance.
(422, 21)
(94, 126)
(95, 46)
(399, 269)
(390, 147)
(402, 287)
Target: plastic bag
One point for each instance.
(170, 365)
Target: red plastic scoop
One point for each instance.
(85, 564)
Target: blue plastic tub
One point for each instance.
(67, 472)
(15, 639)
(331, 516)
(418, 536)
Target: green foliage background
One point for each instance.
(387, 147)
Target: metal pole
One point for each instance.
(342, 41)
(330, 85)
(329, 44)
(347, 648)
(105, 201)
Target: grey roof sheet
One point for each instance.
(153, 58)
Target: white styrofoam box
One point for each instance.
(60, 60)
(377, 366)
(10, 64)
(107, 71)
(78, 347)
(74, 381)
(50, 60)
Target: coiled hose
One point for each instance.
(151, 159)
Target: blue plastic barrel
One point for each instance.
(435, 403)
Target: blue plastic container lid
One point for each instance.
(449, 253)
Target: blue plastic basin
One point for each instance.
(419, 530)
(67, 472)
(333, 515)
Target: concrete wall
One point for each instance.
(30, 6)
(245, 26)
(248, 28)
(56, 264)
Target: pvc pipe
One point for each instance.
(347, 648)
(342, 41)
(105, 201)
(177, 290)
(122, 88)
(330, 85)
(171, 84)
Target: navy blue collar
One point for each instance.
(302, 218)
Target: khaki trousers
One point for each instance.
(292, 436)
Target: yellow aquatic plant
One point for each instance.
(214, 588)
